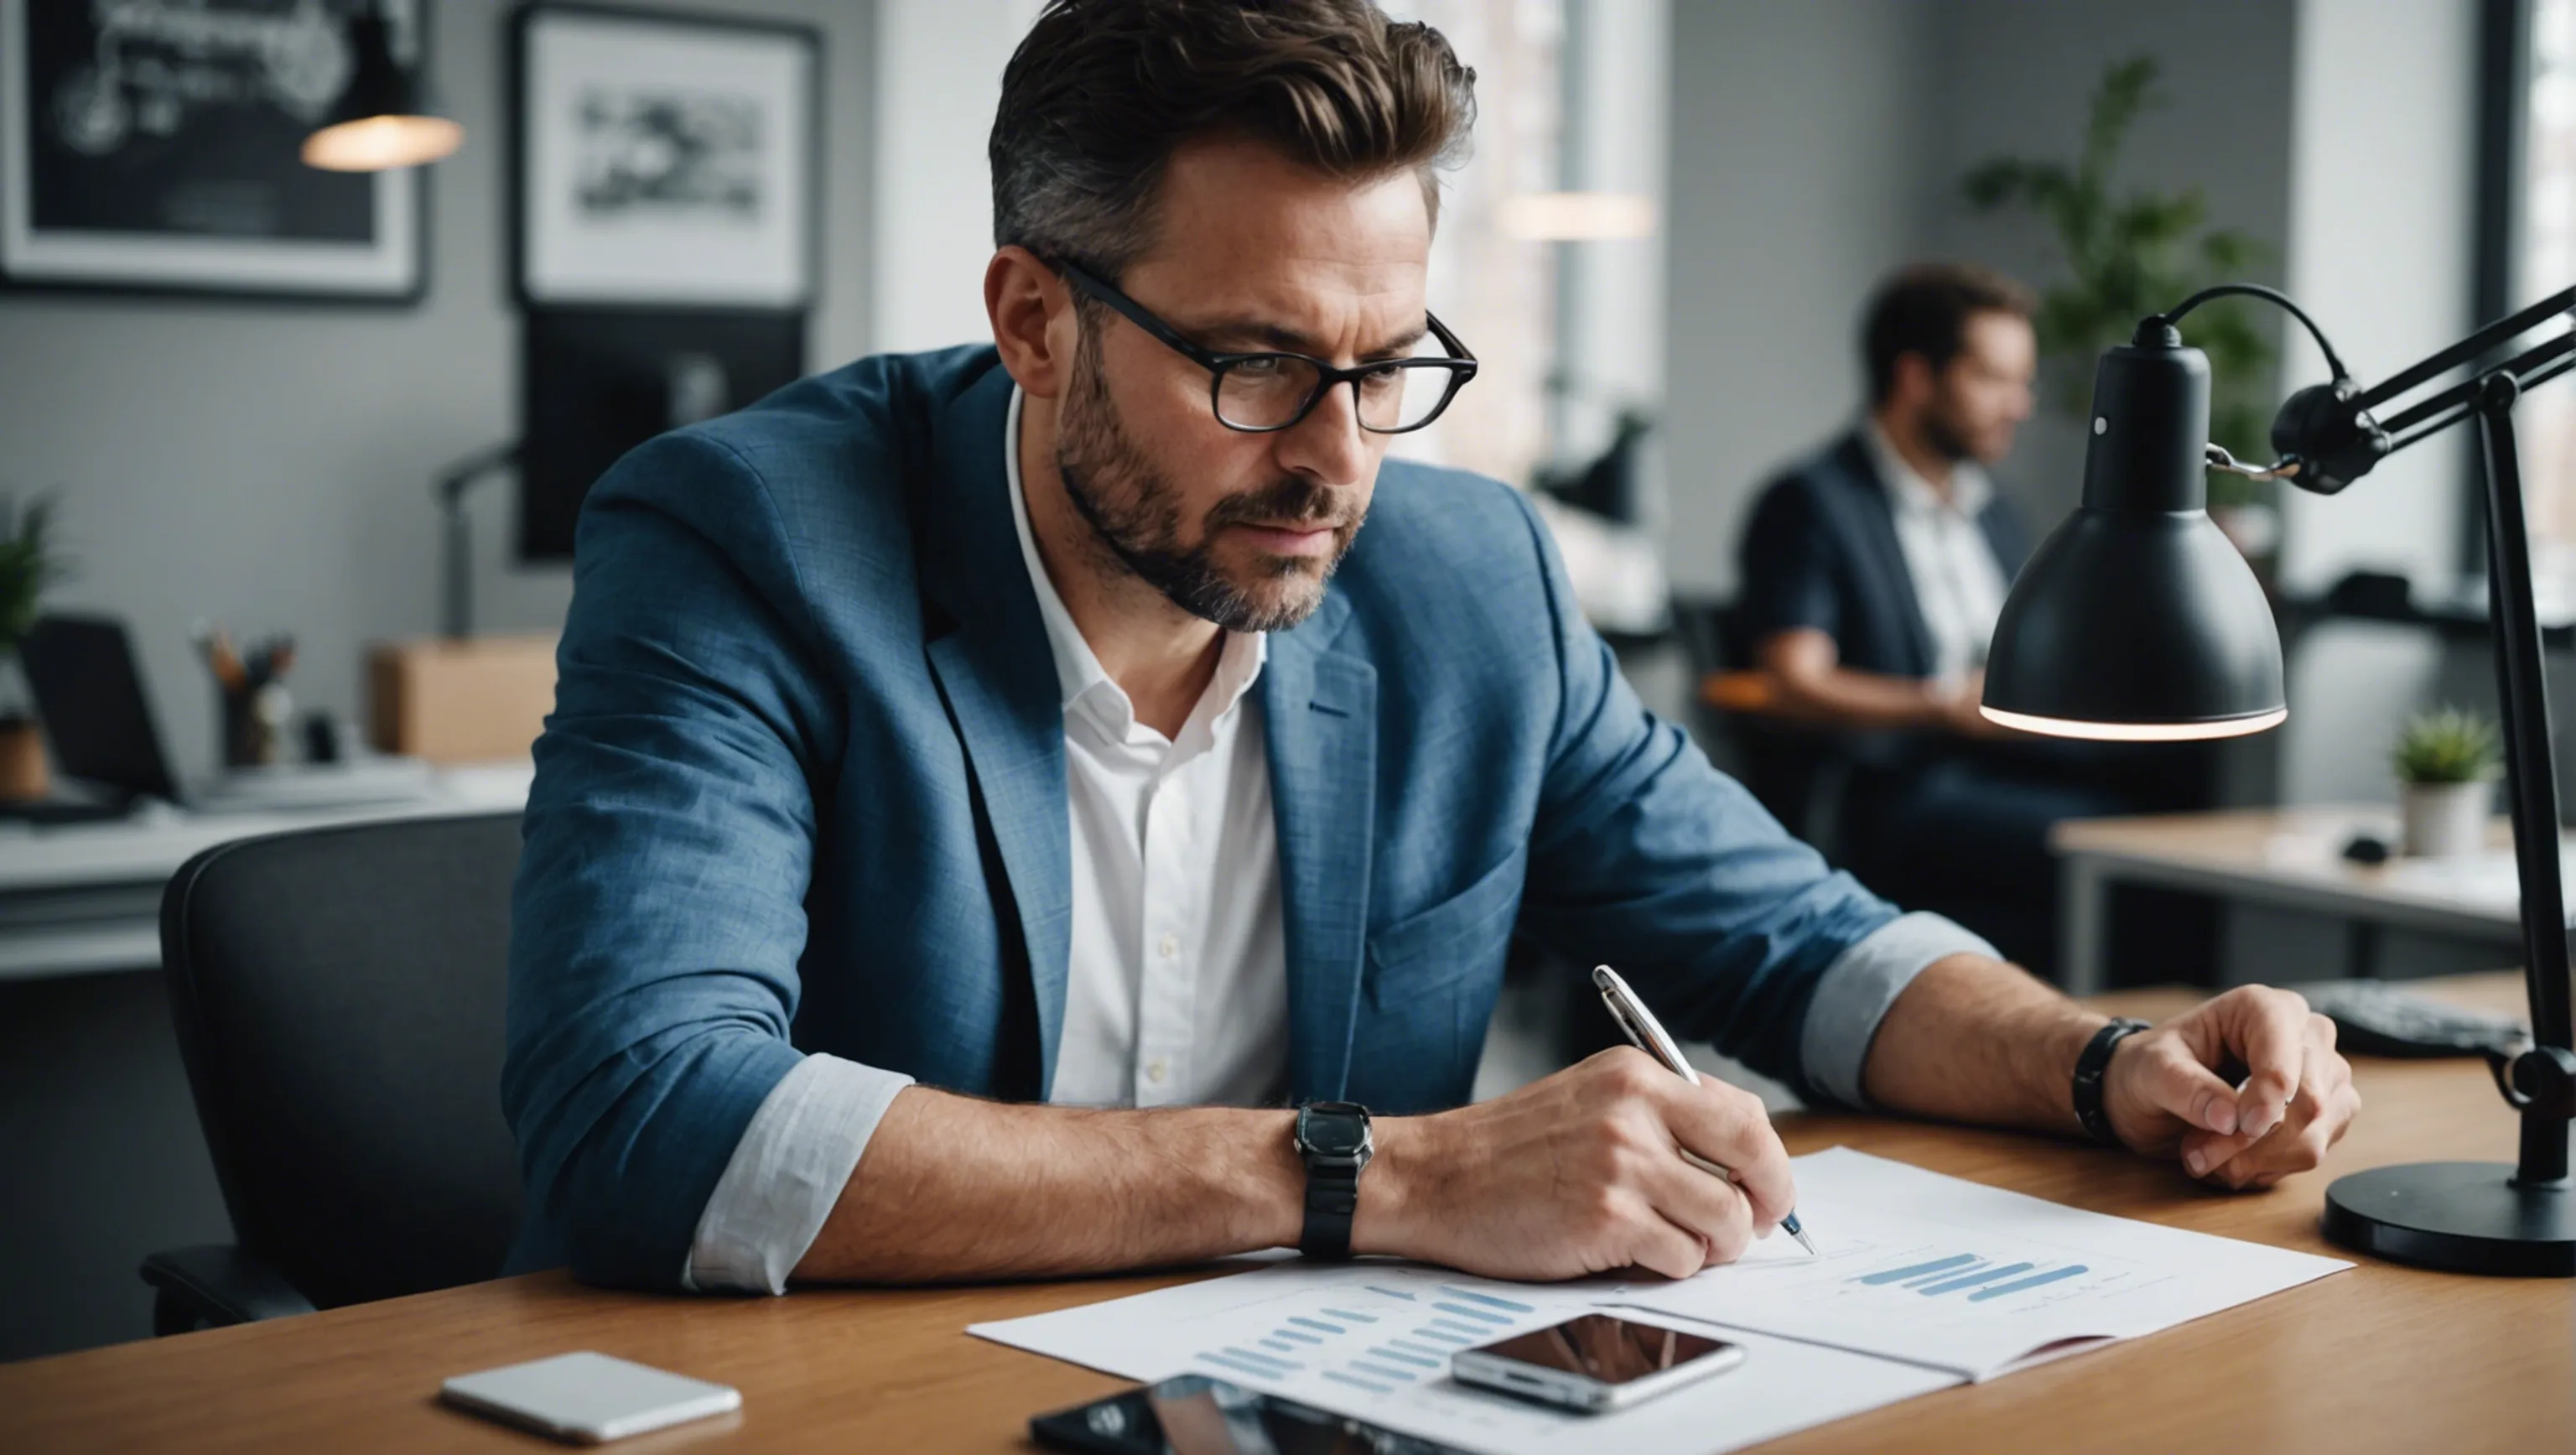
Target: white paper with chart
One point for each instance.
(1373, 1340)
(1921, 1281)
(1959, 1276)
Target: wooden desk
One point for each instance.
(2288, 858)
(1742, 691)
(2378, 1358)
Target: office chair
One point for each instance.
(1795, 770)
(338, 995)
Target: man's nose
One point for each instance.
(1328, 444)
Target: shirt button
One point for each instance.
(1170, 946)
(1158, 1070)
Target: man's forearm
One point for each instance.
(955, 1188)
(1846, 697)
(1977, 1040)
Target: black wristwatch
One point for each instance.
(1332, 1138)
(2089, 1069)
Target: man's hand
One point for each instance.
(1579, 1173)
(2165, 1091)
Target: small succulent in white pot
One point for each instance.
(2446, 764)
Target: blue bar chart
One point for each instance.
(1379, 1337)
(1980, 1278)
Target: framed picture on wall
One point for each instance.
(664, 160)
(154, 144)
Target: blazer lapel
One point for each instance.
(1319, 713)
(999, 680)
(1875, 517)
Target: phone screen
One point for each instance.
(1611, 1350)
(1194, 1415)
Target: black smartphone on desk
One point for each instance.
(1191, 1414)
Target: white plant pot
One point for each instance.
(2445, 820)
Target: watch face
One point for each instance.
(1333, 1129)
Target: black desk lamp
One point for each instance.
(2136, 620)
(456, 551)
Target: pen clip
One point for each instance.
(1627, 1027)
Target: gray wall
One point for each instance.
(2016, 77)
(267, 466)
(1817, 145)
(1796, 181)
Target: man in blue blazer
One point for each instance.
(1004, 814)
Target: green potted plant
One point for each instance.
(30, 561)
(2129, 254)
(2446, 764)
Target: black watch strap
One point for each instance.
(1332, 1196)
(1333, 1140)
(2089, 1069)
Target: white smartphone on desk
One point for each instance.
(588, 1398)
(1595, 1362)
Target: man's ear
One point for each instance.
(1033, 320)
(1914, 382)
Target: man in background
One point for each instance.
(1872, 576)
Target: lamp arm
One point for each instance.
(456, 607)
(2431, 416)
(2326, 436)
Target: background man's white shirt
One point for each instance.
(1958, 584)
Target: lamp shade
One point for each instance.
(2137, 619)
(384, 119)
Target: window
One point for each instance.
(2540, 260)
(1496, 290)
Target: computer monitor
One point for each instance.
(595, 383)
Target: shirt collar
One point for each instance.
(1078, 673)
(1970, 490)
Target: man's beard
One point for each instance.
(1135, 513)
(1946, 439)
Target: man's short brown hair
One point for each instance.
(1924, 309)
(1101, 92)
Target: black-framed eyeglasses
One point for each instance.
(1261, 393)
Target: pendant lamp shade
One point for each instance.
(384, 119)
(2137, 619)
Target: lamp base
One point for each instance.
(2461, 1217)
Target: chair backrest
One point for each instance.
(1795, 770)
(338, 994)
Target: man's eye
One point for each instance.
(1379, 381)
(1262, 368)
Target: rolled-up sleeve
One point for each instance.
(659, 914)
(1854, 993)
(801, 1149)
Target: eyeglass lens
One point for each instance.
(1270, 390)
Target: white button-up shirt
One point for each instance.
(1176, 990)
(1958, 584)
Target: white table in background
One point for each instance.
(80, 899)
(2283, 858)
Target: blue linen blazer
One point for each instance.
(803, 791)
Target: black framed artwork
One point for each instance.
(154, 145)
(664, 160)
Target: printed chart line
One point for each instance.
(2034, 1281)
(1960, 1272)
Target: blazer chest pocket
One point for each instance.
(1435, 948)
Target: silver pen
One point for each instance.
(1649, 1036)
